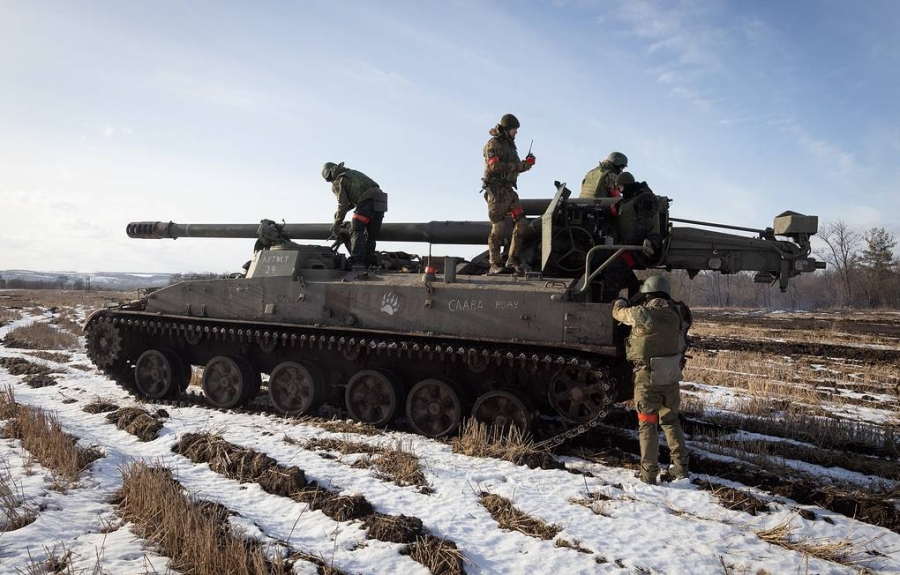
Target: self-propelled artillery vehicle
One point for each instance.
(433, 342)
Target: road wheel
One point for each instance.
(228, 381)
(372, 396)
(502, 409)
(296, 388)
(433, 407)
(577, 394)
(158, 373)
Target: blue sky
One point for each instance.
(224, 112)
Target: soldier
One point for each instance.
(601, 181)
(501, 170)
(638, 216)
(656, 347)
(354, 189)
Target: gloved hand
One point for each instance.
(336, 229)
(620, 299)
(530, 159)
(647, 247)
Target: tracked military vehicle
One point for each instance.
(430, 341)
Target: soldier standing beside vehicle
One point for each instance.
(501, 171)
(601, 181)
(656, 347)
(354, 189)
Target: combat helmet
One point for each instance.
(656, 284)
(330, 169)
(624, 178)
(618, 159)
(509, 121)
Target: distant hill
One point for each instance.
(72, 280)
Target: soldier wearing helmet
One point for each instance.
(656, 347)
(502, 167)
(637, 214)
(356, 190)
(601, 181)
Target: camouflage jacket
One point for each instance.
(600, 182)
(659, 328)
(351, 188)
(501, 160)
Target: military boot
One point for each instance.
(678, 471)
(647, 478)
(497, 269)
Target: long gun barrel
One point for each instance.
(565, 227)
(449, 232)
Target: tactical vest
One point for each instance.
(667, 336)
(361, 187)
(595, 183)
(504, 149)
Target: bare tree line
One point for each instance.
(862, 272)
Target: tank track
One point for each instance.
(268, 338)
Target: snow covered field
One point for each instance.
(608, 521)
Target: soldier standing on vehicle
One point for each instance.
(656, 347)
(501, 171)
(354, 189)
(601, 181)
(637, 213)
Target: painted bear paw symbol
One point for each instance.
(390, 303)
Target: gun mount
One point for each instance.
(388, 343)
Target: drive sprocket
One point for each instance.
(104, 343)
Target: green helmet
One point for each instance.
(330, 169)
(509, 121)
(624, 178)
(618, 159)
(656, 284)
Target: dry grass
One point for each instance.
(61, 299)
(843, 551)
(196, 535)
(57, 561)
(394, 528)
(439, 556)
(573, 544)
(510, 518)
(15, 512)
(393, 463)
(39, 335)
(21, 366)
(480, 440)
(100, 406)
(735, 499)
(136, 421)
(44, 439)
(400, 465)
(51, 356)
(339, 425)
(241, 464)
(67, 322)
(8, 315)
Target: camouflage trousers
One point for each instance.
(657, 406)
(364, 228)
(502, 202)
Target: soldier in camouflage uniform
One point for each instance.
(656, 347)
(354, 189)
(601, 181)
(638, 216)
(501, 171)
